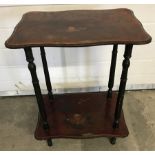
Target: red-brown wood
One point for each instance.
(78, 28)
(81, 115)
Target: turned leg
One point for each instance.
(112, 71)
(126, 64)
(46, 72)
(35, 81)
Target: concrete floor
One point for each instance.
(18, 117)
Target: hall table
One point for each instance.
(79, 115)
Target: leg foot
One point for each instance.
(49, 142)
(113, 140)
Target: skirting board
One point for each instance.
(74, 90)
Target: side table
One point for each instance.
(79, 115)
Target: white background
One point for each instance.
(75, 67)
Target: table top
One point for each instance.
(77, 28)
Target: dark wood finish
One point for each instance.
(46, 73)
(49, 142)
(112, 70)
(78, 28)
(113, 140)
(35, 81)
(126, 64)
(94, 108)
(79, 115)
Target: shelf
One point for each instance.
(81, 115)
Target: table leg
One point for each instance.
(46, 72)
(112, 70)
(119, 104)
(35, 81)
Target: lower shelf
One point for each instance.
(80, 115)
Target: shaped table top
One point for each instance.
(77, 28)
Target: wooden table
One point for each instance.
(79, 115)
